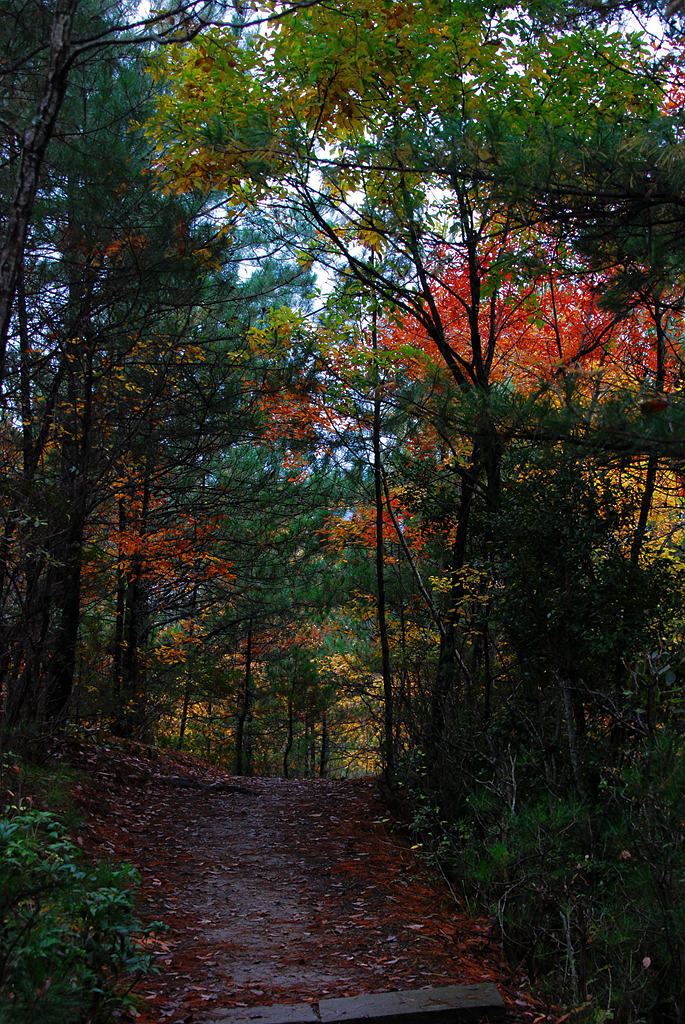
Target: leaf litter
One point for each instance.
(287, 891)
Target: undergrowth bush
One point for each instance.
(588, 893)
(67, 929)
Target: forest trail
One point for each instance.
(293, 891)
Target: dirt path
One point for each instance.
(291, 892)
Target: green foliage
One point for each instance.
(67, 929)
(593, 888)
(587, 893)
(556, 796)
(574, 599)
(48, 781)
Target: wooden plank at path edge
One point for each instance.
(447, 1005)
(432, 1005)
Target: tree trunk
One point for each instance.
(485, 465)
(120, 612)
(448, 667)
(74, 488)
(289, 741)
(653, 460)
(572, 737)
(188, 668)
(63, 661)
(325, 746)
(243, 736)
(311, 746)
(645, 508)
(184, 713)
(388, 711)
(131, 713)
(33, 146)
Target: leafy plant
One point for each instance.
(587, 895)
(67, 929)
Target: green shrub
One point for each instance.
(589, 895)
(66, 928)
